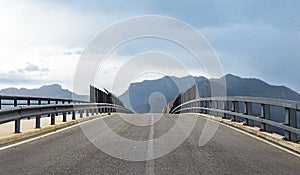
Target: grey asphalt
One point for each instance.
(71, 152)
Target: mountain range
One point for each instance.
(138, 94)
(53, 91)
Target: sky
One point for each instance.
(41, 41)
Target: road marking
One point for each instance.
(150, 161)
(258, 138)
(45, 135)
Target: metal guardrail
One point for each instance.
(20, 112)
(228, 107)
(6, 100)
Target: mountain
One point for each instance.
(237, 86)
(138, 94)
(52, 91)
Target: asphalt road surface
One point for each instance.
(73, 151)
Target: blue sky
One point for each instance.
(41, 41)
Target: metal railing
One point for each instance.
(52, 110)
(14, 101)
(229, 107)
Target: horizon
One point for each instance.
(38, 87)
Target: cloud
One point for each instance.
(251, 40)
(73, 52)
(259, 51)
(31, 68)
(34, 68)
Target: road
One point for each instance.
(71, 152)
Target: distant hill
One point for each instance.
(137, 95)
(52, 91)
(237, 86)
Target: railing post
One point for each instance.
(210, 104)
(290, 120)
(17, 126)
(69, 102)
(96, 110)
(87, 112)
(73, 115)
(206, 106)
(265, 114)
(56, 102)
(49, 102)
(217, 107)
(235, 109)
(38, 122)
(0, 103)
(226, 108)
(53, 119)
(64, 117)
(81, 113)
(201, 105)
(15, 102)
(92, 111)
(18, 121)
(37, 118)
(248, 111)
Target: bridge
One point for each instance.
(246, 139)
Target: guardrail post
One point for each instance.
(92, 111)
(49, 102)
(210, 106)
(81, 113)
(248, 111)
(235, 109)
(56, 102)
(53, 119)
(37, 118)
(201, 105)
(69, 102)
(15, 102)
(265, 114)
(73, 115)
(38, 122)
(17, 126)
(96, 110)
(290, 120)
(217, 107)
(206, 106)
(64, 117)
(18, 121)
(0, 103)
(226, 108)
(87, 112)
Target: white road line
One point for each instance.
(258, 138)
(45, 135)
(150, 161)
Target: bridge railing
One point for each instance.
(13, 101)
(52, 110)
(240, 109)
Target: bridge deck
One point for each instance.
(228, 152)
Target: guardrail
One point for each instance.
(20, 112)
(229, 107)
(14, 101)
